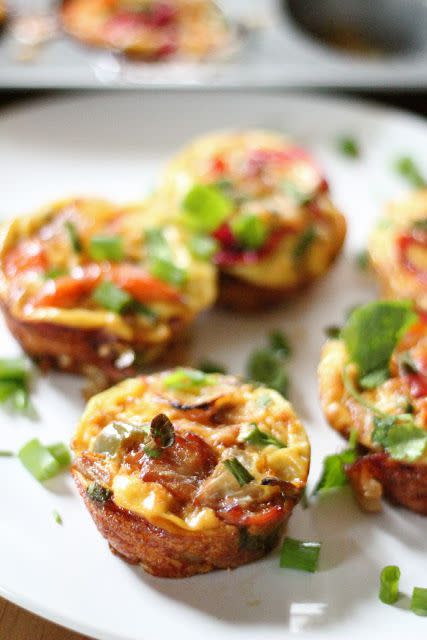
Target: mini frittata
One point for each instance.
(373, 380)
(265, 208)
(184, 472)
(398, 250)
(148, 29)
(88, 287)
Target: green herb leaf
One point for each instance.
(74, 237)
(203, 246)
(249, 230)
(403, 441)
(407, 168)
(349, 147)
(304, 242)
(209, 366)
(300, 198)
(111, 297)
(206, 208)
(389, 584)
(98, 493)
(103, 247)
(266, 367)
(261, 439)
(297, 554)
(419, 601)
(374, 379)
(165, 270)
(242, 475)
(333, 474)
(280, 344)
(187, 379)
(373, 330)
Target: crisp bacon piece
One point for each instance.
(266, 515)
(182, 467)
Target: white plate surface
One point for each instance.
(113, 145)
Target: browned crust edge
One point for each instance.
(177, 554)
(77, 350)
(403, 484)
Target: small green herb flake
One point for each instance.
(98, 493)
(389, 584)
(304, 242)
(203, 247)
(362, 260)
(348, 146)
(111, 297)
(419, 601)
(57, 517)
(404, 441)
(261, 439)
(209, 366)
(206, 207)
(187, 380)
(408, 169)
(104, 247)
(297, 554)
(267, 367)
(280, 344)
(73, 236)
(333, 332)
(242, 475)
(55, 272)
(373, 330)
(249, 230)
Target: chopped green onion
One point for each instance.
(111, 297)
(332, 332)
(187, 379)
(39, 461)
(304, 242)
(348, 146)
(297, 554)
(333, 474)
(168, 272)
(106, 248)
(57, 517)
(249, 230)
(374, 378)
(362, 260)
(14, 383)
(262, 439)
(206, 208)
(280, 343)
(299, 197)
(419, 601)
(242, 475)
(209, 366)
(406, 167)
(203, 246)
(266, 367)
(389, 584)
(6, 454)
(55, 272)
(61, 453)
(98, 493)
(74, 237)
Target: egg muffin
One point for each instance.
(373, 382)
(185, 472)
(148, 29)
(265, 207)
(398, 249)
(90, 288)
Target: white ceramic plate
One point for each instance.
(113, 145)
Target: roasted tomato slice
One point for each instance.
(411, 242)
(28, 255)
(182, 467)
(265, 516)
